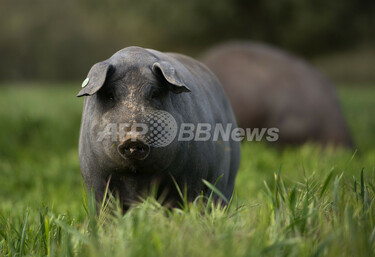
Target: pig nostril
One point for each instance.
(134, 149)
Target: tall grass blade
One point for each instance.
(215, 190)
(23, 234)
(326, 182)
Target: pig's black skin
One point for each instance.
(127, 89)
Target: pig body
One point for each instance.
(125, 89)
(269, 88)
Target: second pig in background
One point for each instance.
(270, 88)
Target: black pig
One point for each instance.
(270, 88)
(134, 86)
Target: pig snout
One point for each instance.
(134, 148)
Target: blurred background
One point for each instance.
(60, 40)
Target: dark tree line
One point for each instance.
(60, 40)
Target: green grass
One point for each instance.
(301, 201)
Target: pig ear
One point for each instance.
(96, 78)
(169, 73)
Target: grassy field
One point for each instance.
(293, 202)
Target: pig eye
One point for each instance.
(106, 96)
(156, 92)
(106, 92)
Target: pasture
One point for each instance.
(298, 201)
